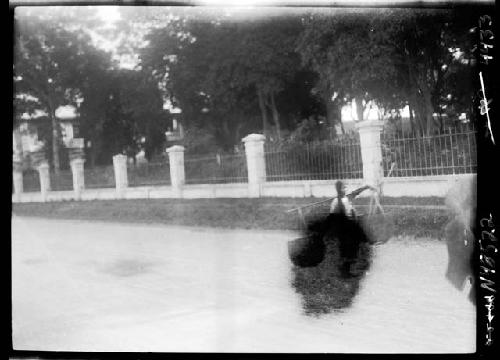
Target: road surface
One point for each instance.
(95, 286)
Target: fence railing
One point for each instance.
(31, 180)
(452, 151)
(145, 174)
(99, 177)
(216, 169)
(61, 182)
(449, 152)
(325, 160)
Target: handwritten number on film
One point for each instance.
(486, 37)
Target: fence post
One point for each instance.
(78, 176)
(17, 176)
(17, 142)
(43, 172)
(76, 156)
(256, 162)
(38, 160)
(121, 179)
(177, 174)
(371, 151)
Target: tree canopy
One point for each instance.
(230, 73)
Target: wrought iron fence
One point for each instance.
(216, 169)
(31, 180)
(325, 160)
(99, 177)
(144, 174)
(61, 182)
(452, 151)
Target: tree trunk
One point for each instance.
(263, 112)
(330, 108)
(419, 118)
(335, 114)
(428, 109)
(276, 117)
(359, 107)
(412, 119)
(423, 101)
(55, 142)
(18, 141)
(226, 137)
(414, 85)
(237, 133)
(440, 122)
(95, 150)
(92, 156)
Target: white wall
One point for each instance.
(392, 187)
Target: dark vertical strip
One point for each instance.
(7, 268)
(486, 252)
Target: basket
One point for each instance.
(306, 251)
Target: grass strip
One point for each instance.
(261, 213)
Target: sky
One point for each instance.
(109, 14)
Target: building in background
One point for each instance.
(30, 129)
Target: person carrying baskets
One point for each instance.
(345, 227)
(342, 203)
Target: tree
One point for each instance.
(430, 50)
(391, 58)
(267, 62)
(50, 63)
(121, 108)
(226, 73)
(143, 102)
(350, 63)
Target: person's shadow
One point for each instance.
(329, 262)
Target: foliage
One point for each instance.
(286, 75)
(119, 110)
(199, 141)
(226, 75)
(52, 62)
(320, 160)
(216, 169)
(445, 153)
(309, 130)
(58, 62)
(431, 51)
(350, 63)
(397, 57)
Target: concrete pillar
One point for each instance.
(371, 152)
(78, 176)
(256, 162)
(17, 175)
(17, 141)
(76, 160)
(43, 172)
(76, 148)
(177, 174)
(120, 167)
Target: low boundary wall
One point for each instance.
(393, 187)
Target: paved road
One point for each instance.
(92, 286)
